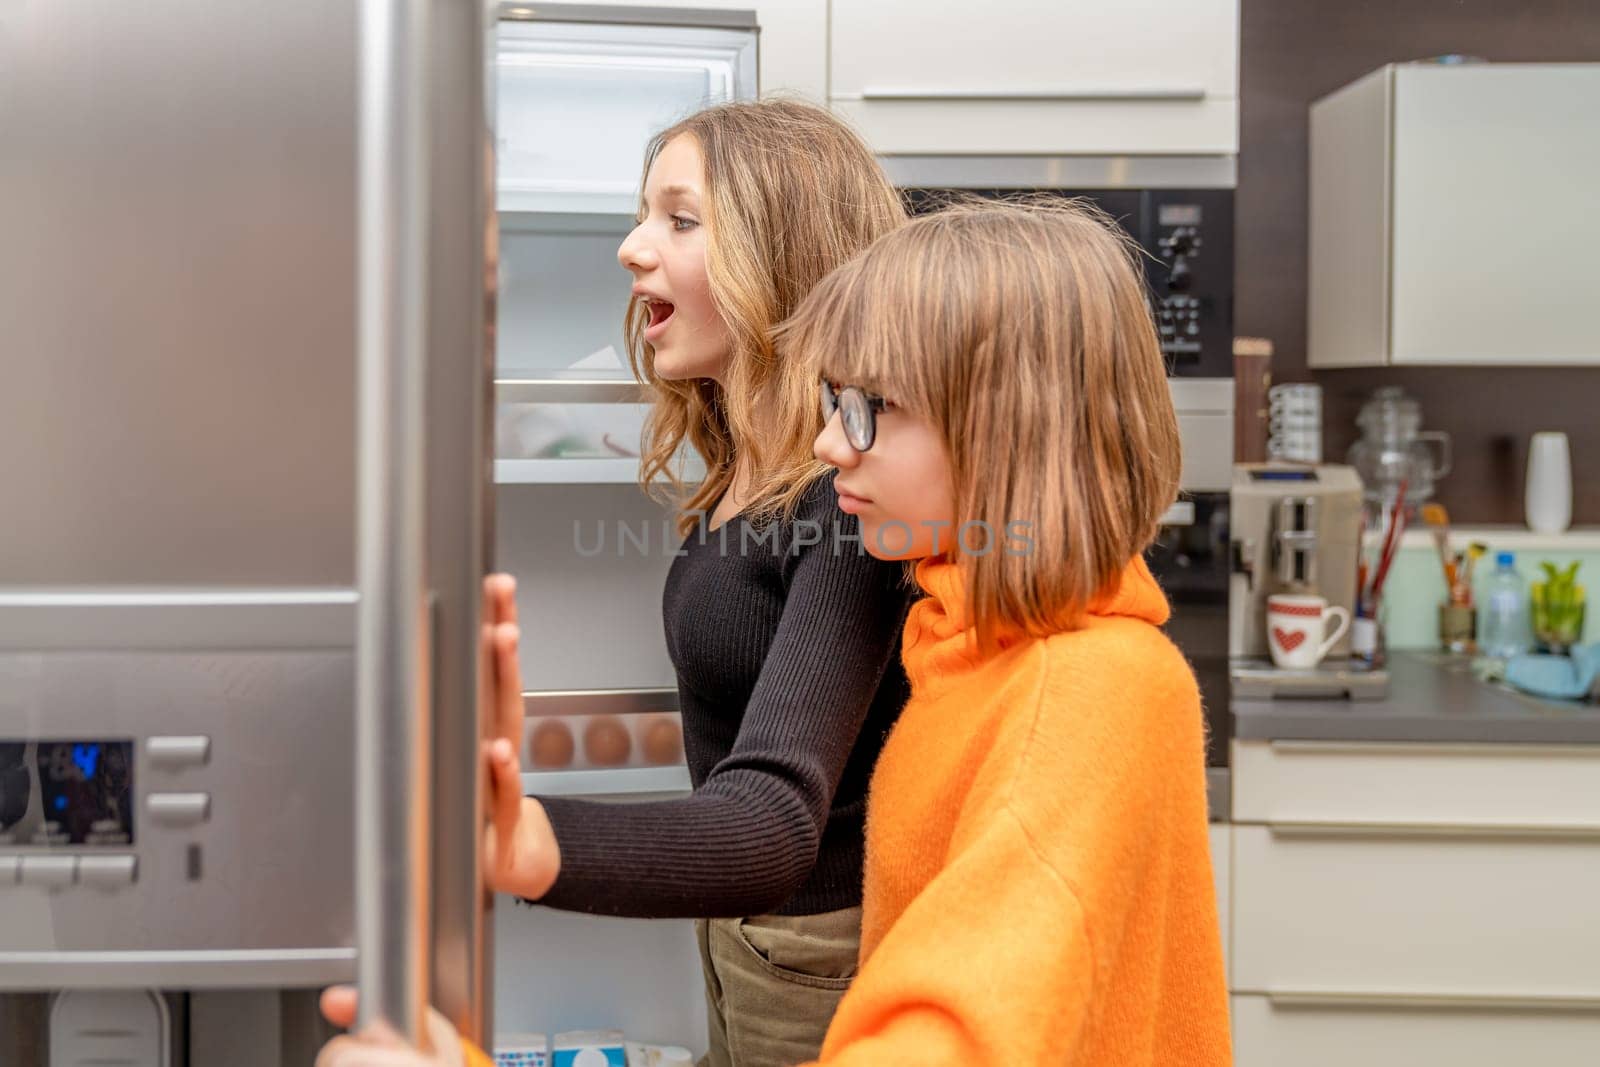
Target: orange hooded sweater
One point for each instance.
(1038, 877)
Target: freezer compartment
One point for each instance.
(578, 100)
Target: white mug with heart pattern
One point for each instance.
(1296, 629)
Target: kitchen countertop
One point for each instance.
(1432, 698)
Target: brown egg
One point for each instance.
(606, 742)
(552, 744)
(662, 740)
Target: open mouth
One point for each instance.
(661, 312)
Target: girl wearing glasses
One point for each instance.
(784, 636)
(1038, 883)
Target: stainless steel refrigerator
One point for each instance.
(256, 393)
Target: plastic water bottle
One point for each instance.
(1504, 626)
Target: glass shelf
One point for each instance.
(623, 781)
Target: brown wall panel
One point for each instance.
(1294, 51)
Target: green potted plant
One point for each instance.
(1558, 607)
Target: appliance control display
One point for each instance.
(1283, 475)
(66, 793)
(1179, 215)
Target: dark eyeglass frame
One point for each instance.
(858, 411)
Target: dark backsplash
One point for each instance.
(1291, 53)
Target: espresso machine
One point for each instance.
(1295, 529)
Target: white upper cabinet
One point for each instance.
(577, 103)
(946, 77)
(1452, 216)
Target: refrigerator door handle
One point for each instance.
(393, 728)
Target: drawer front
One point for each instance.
(1432, 784)
(1373, 911)
(1268, 1033)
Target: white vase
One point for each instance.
(1549, 494)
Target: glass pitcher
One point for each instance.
(1394, 448)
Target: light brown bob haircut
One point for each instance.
(1021, 331)
(791, 193)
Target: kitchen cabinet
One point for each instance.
(1450, 219)
(1376, 783)
(1425, 909)
(1404, 902)
(1039, 77)
(1332, 1031)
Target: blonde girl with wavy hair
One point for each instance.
(783, 632)
(1038, 880)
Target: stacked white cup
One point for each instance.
(1294, 422)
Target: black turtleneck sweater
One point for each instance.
(786, 641)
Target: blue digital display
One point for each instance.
(84, 793)
(86, 756)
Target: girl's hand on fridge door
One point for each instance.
(378, 1046)
(500, 663)
(520, 855)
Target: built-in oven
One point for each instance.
(1178, 209)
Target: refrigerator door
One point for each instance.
(178, 464)
(423, 375)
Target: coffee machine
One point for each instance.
(1295, 529)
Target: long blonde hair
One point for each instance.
(791, 192)
(1022, 332)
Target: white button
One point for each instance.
(108, 871)
(49, 871)
(178, 753)
(180, 809)
(9, 866)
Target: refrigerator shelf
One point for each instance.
(623, 781)
(552, 386)
(623, 470)
(528, 204)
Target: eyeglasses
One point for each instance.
(859, 410)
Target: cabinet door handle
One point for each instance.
(1427, 748)
(1302, 1001)
(1047, 94)
(1473, 831)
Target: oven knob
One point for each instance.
(1181, 242)
(1181, 276)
